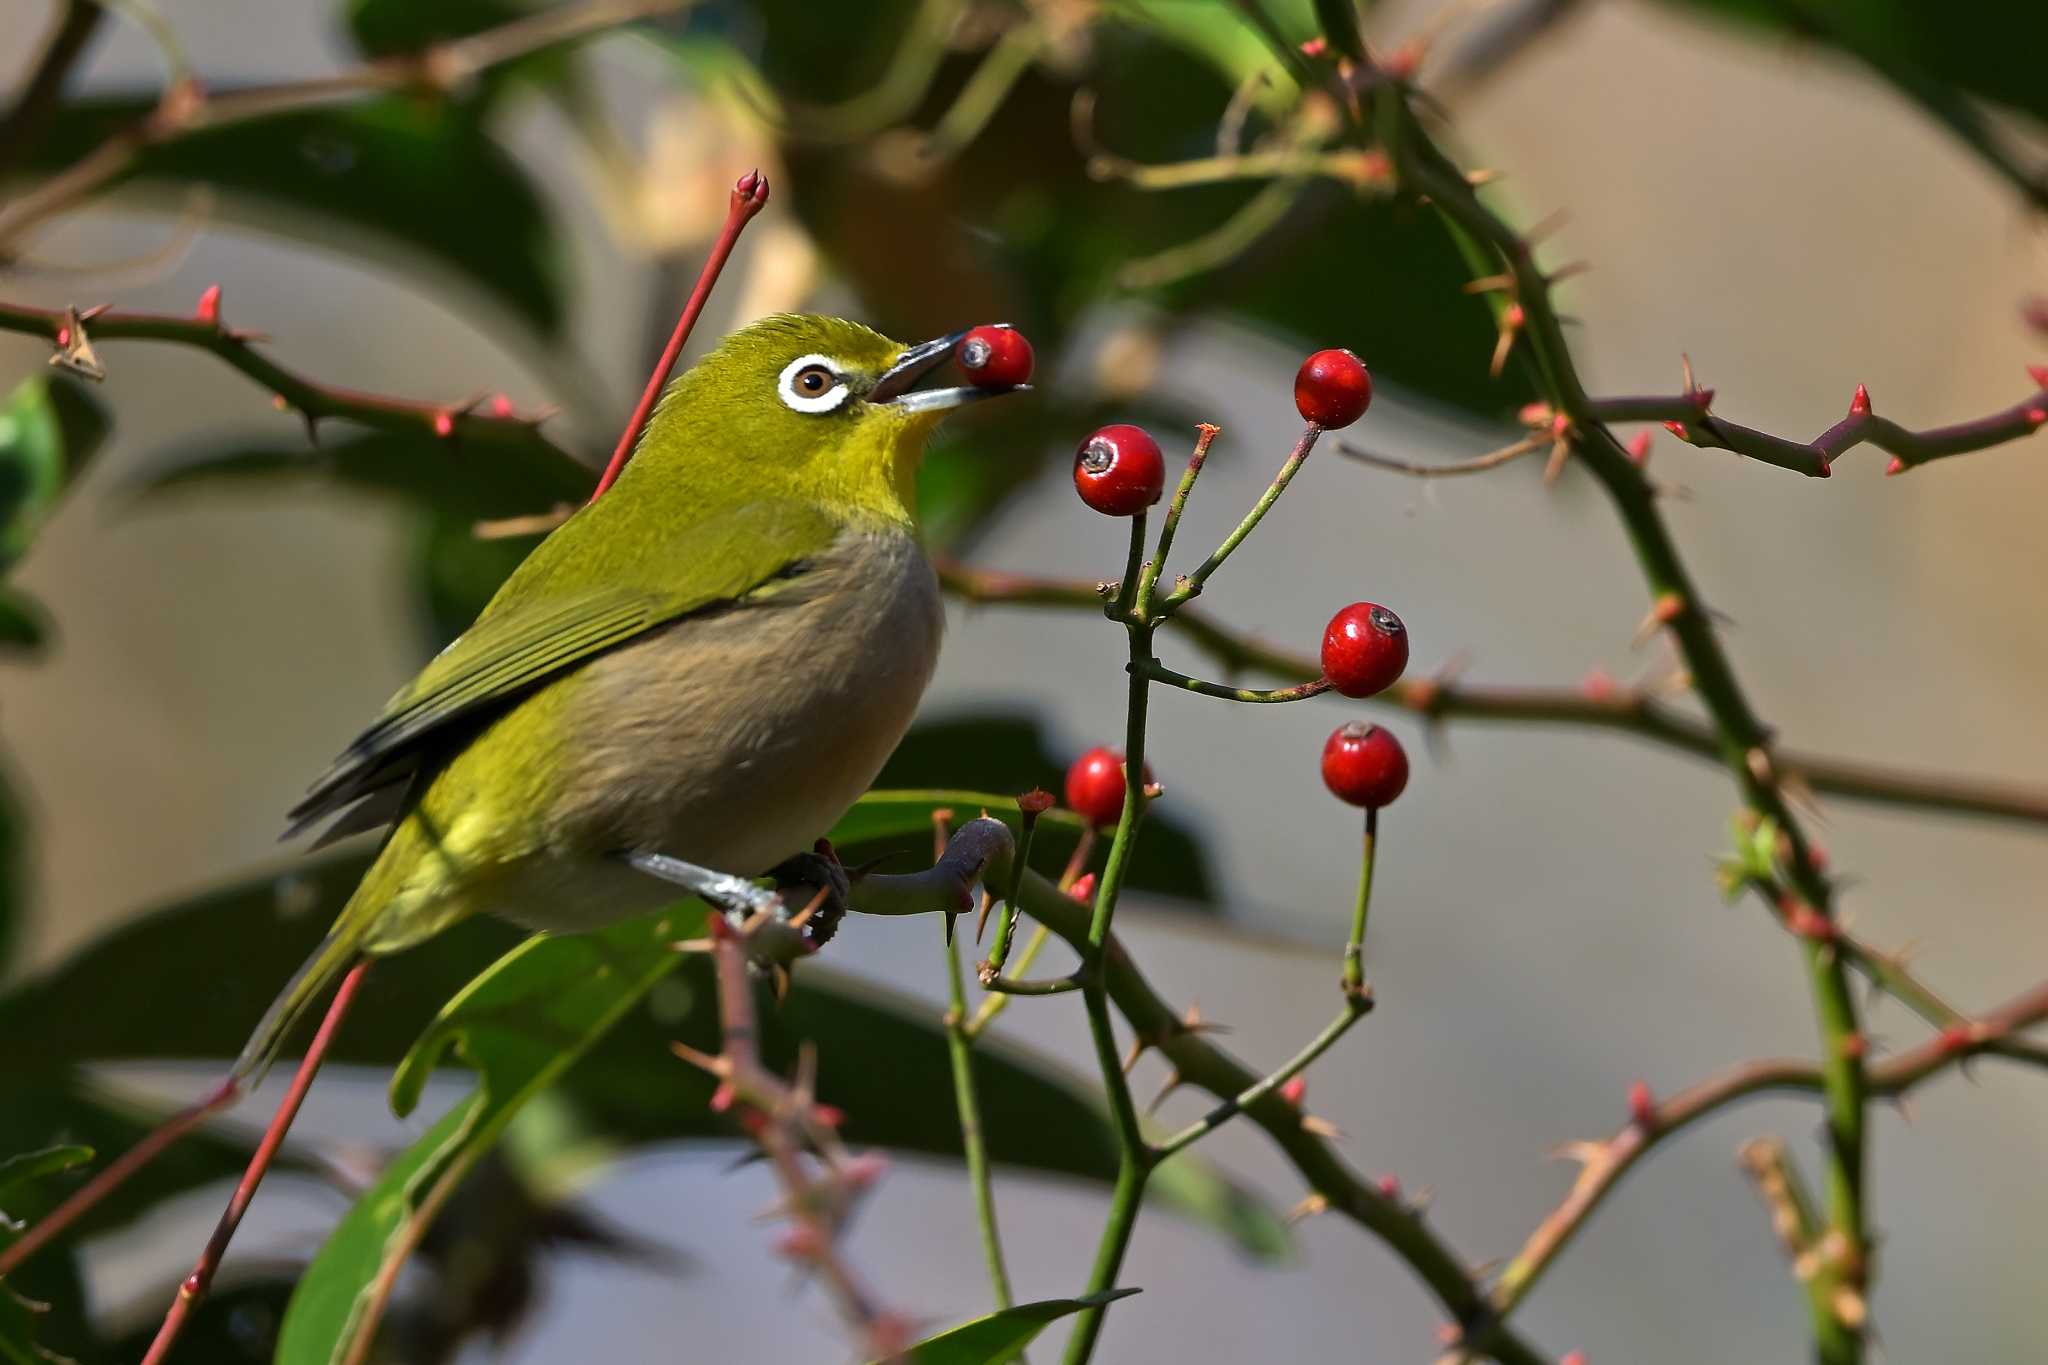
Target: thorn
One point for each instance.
(1083, 890)
(1308, 1208)
(1573, 1358)
(501, 406)
(2039, 374)
(1642, 1106)
(724, 1097)
(1639, 447)
(981, 920)
(208, 310)
(1668, 607)
(1321, 1127)
(1560, 451)
(74, 348)
(1389, 1188)
(2036, 417)
(1678, 429)
(1535, 415)
(1173, 1083)
(1193, 1022)
(1897, 466)
(1487, 284)
(1485, 176)
(1138, 1046)
(703, 1061)
(444, 423)
(1758, 761)
(1598, 685)
(1701, 399)
(1685, 368)
(1295, 1089)
(1567, 271)
(1859, 403)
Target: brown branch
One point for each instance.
(1633, 711)
(76, 23)
(186, 107)
(1908, 448)
(313, 400)
(1603, 1163)
(821, 1181)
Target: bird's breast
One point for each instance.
(736, 737)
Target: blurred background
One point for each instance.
(1546, 926)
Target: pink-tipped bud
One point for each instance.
(1037, 801)
(1512, 317)
(1957, 1038)
(1817, 857)
(444, 423)
(831, 1115)
(1534, 414)
(1808, 923)
(1598, 685)
(208, 310)
(1294, 1090)
(1560, 424)
(1897, 466)
(2039, 374)
(1677, 429)
(1639, 447)
(280, 402)
(63, 336)
(1668, 607)
(1315, 47)
(724, 1097)
(501, 406)
(1859, 405)
(1642, 1106)
(1389, 1187)
(1573, 1358)
(1854, 1046)
(1083, 889)
(801, 1243)
(861, 1171)
(750, 191)
(2037, 416)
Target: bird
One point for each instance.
(701, 669)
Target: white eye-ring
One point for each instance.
(811, 383)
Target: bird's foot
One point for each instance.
(816, 882)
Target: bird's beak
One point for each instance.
(894, 387)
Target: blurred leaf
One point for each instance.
(24, 628)
(236, 1324)
(420, 175)
(1338, 20)
(1991, 51)
(500, 480)
(18, 1329)
(456, 573)
(1007, 751)
(997, 1337)
(18, 1173)
(49, 428)
(519, 1025)
(15, 855)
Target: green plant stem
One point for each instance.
(973, 1144)
(1192, 584)
(1356, 1007)
(1354, 948)
(1159, 672)
(1743, 739)
(1205, 435)
(1134, 1156)
(997, 1002)
(1059, 985)
(1006, 919)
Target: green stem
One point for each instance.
(1159, 672)
(1116, 1238)
(996, 1002)
(1355, 1008)
(960, 1045)
(1029, 806)
(1192, 584)
(1354, 949)
(1204, 435)
(1059, 985)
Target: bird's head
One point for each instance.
(805, 406)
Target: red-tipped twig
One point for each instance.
(195, 1285)
(1602, 1163)
(785, 1119)
(748, 197)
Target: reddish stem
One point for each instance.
(748, 195)
(193, 1290)
(116, 1174)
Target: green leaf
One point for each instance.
(1987, 51)
(24, 624)
(49, 428)
(418, 176)
(17, 1329)
(997, 1337)
(519, 1025)
(18, 1173)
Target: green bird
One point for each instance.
(705, 666)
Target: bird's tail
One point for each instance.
(329, 962)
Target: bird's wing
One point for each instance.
(532, 632)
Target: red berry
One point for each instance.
(1332, 389)
(1118, 471)
(1364, 765)
(1365, 647)
(1095, 786)
(996, 357)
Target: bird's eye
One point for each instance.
(811, 383)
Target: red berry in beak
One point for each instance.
(1119, 472)
(1332, 389)
(1365, 647)
(995, 357)
(1364, 765)
(1095, 786)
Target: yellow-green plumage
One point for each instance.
(710, 661)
